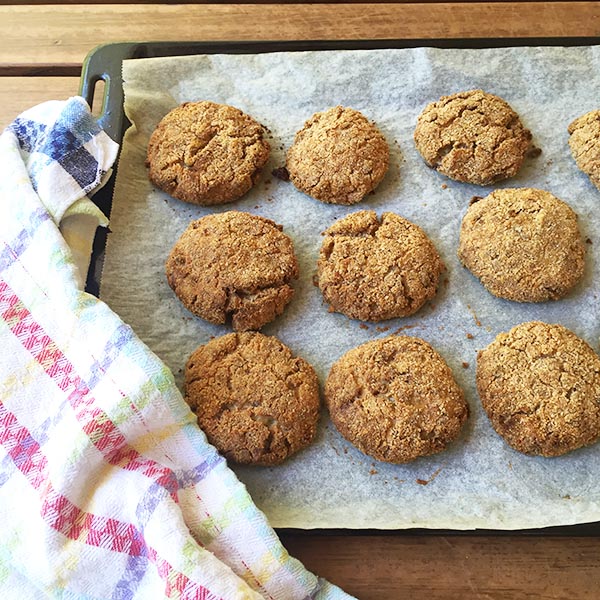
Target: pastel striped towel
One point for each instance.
(107, 487)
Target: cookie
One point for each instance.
(375, 269)
(257, 403)
(395, 399)
(472, 137)
(540, 386)
(584, 141)
(206, 153)
(523, 244)
(339, 156)
(233, 265)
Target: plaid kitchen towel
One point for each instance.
(108, 489)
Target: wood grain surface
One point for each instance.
(51, 35)
(453, 567)
(19, 93)
(42, 46)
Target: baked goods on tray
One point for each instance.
(540, 386)
(472, 136)
(395, 399)
(206, 153)
(256, 401)
(584, 141)
(523, 244)
(233, 266)
(339, 156)
(375, 268)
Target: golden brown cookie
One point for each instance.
(473, 137)
(523, 244)
(584, 141)
(375, 269)
(395, 399)
(540, 386)
(206, 153)
(256, 402)
(339, 156)
(233, 265)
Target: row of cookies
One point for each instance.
(207, 153)
(395, 398)
(254, 295)
(523, 245)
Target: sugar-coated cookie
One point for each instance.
(206, 153)
(584, 141)
(233, 265)
(523, 244)
(339, 156)
(395, 399)
(257, 403)
(473, 136)
(373, 269)
(540, 386)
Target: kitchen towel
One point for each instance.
(108, 489)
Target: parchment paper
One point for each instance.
(479, 482)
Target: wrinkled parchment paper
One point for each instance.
(479, 482)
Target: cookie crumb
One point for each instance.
(422, 481)
(588, 241)
(533, 152)
(363, 326)
(444, 186)
(469, 336)
(404, 327)
(477, 321)
(281, 173)
(465, 365)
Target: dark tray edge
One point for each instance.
(104, 63)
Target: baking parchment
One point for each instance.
(479, 482)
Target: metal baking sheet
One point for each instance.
(105, 64)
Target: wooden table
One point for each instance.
(41, 51)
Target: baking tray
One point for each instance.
(104, 64)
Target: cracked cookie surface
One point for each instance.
(256, 402)
(395, 399)
(233, 265)
(584, 141)
(376, 269)
(338, 157)
(473, 136)
(523, 244)
(540, 386)
(206, 153)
